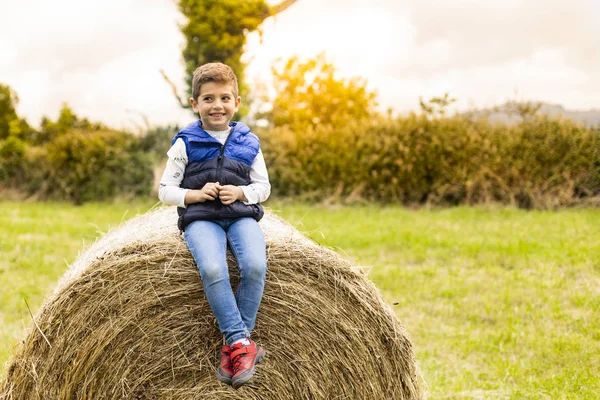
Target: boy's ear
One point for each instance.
(238, 101)
(194, 103)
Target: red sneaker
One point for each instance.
(244, 360)
(225, 370)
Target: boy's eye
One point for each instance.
(207, 98)
(225, 97)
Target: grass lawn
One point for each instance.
(500, 303)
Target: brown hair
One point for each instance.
(213, 72)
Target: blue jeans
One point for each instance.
(207, 241)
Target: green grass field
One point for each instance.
(500, 303)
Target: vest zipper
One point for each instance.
(220, 162)
(220, 158)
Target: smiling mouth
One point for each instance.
(217, 115)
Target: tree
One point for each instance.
(10, 123)
(216, 31)
(436, 106)
(67, 121)
(310, 93)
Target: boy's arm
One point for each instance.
(259, 188)
(169, 191)
(257, 191)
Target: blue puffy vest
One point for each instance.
(211, 161)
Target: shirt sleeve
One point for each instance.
(259, 188)
(169, 191)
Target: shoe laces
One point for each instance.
(237, 364)
(238, 360)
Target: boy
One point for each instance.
(217, 177)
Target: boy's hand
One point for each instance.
(210, 191)
(230, 193)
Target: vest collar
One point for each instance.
(196, 133)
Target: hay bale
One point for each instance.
(130, 320)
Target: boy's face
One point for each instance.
(216, 105)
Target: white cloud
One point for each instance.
(491, 32)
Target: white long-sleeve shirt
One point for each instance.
(171, 192)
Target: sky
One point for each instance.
(103, 58)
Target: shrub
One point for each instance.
(83, 166)
(540, 162)
(157, 141)
(12, 157)
(71, 158)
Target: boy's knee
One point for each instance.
(255, 270)
(212, 272)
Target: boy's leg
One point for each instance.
(208, 243)
(247, 242)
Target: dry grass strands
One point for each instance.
(130, 320)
